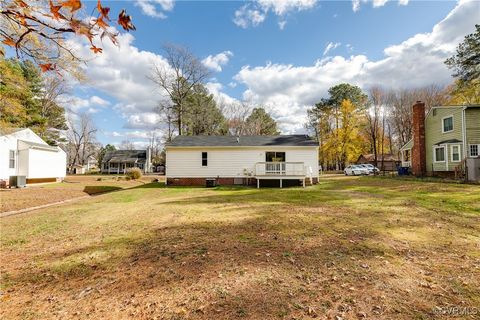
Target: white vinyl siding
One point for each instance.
(230, 162)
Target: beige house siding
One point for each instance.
(472, 121)
(434, 135)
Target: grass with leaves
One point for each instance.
(348, 247)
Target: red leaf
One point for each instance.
(103, 10)
(96, 49)
(47, 67)
(9, 42)
(74, 5)
(102, 24)
(125, 21)
(55, 10)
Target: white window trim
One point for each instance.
(14, 159)
(459, 152)
(435, 154)
(470, 151)
(201, 159)
(453, 125)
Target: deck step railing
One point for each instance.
(279, 169)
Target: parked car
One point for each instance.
(355, 170)
(371, 168)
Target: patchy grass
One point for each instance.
(348, 247)
(73, 187)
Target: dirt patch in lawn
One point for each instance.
(240, 253)
(72, 187)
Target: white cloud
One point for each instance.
(121, 73)
(217, 61)
(150, 7)
(375, 3)
(246, 17)
(254, 13)
(289, 90)
(331, 46)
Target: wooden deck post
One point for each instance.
(258, 183)
(304, 182)
(280, 183)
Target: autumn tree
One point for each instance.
(183, 72)
(237, 114)
(37, 30)
(30, 99)
(327, 121)
(259, 122)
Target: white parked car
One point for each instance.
(355, 170)
(370, 167)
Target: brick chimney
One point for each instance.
(419, 160)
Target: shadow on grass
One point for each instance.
(276, 256)
(92, 190)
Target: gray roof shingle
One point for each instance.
(125, 156)
(242, 141)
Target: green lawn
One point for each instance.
(348, 247)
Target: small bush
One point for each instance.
(99, 179)
(134, 173)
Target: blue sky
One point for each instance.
(272, 53)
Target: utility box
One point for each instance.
(210, 183)
(18, 181)
(473, 169)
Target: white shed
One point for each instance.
(229, 160)
(23, 153)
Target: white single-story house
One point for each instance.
(244, 160)
(119, 161)
(23, 153)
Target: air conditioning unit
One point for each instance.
(210, 183)
(18, 181)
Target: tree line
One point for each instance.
(350, 122)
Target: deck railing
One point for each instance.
(406, 164)
(279, 169)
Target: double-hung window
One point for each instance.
(455, 151)
(474, 150)
(439, 154)
(204, 159)
(11, 158)
(447, 124)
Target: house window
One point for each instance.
(447, 124)
(474, 148)
(275, 156)
(11, 155)
(204, 159)
(439, 154)
(455, 151)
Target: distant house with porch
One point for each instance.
(446, 142)
(119, 161)
(390, 161)
(229, 160)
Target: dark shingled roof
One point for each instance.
(242, 141)
(125, 156)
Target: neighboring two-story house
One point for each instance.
(444, 142)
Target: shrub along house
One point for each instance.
(230, 160)
(446, 142)
(119, 161)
